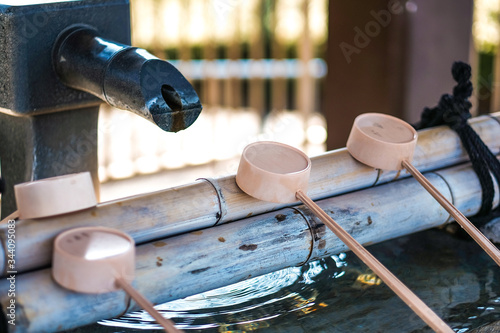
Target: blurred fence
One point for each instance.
(256, 65)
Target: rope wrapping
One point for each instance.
(454, 111)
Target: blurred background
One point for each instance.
(294, 71)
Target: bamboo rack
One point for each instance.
(211, 202)
(173, 267)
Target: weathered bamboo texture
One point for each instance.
(202, 260)
(206, 203)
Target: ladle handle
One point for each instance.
(146, 305)
(415, 303)
(482, 240)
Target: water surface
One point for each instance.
(339, 294)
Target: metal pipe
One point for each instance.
(172, 268)
(126, 77)
(206, 203)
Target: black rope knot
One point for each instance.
(454, 111)
(461, 73)
(455, 116)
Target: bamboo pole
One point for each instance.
(174, 267)
(206, 203)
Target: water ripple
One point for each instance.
(340, 294)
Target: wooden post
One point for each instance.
(211, 91)
(232, 85)
(278, 84)
(256, 45)
(305, 83)
(364, 58)
(392, 57)
(439, 33)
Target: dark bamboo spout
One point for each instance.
(126, 77)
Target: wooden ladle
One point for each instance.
(98, 260)
(386, 142)
(53, 196)
(275, 172)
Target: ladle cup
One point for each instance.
(53, 196)
(276, 172)
(98, 260)
(386, 142)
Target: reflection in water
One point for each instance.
(339, 294)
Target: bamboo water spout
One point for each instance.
(236, 251)
(156, 215)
